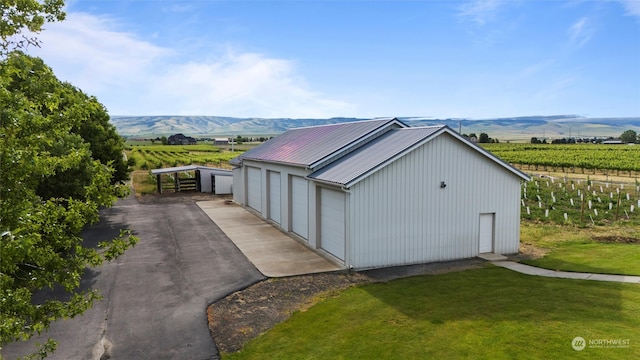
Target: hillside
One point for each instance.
(514, 129)
(210, 125)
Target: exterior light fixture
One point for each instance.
(442, 185)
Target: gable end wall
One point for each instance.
(400, 215)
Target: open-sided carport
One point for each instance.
(204, 179)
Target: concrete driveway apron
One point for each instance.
(273, 252)
(156, 294)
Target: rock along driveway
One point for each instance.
(156, 294)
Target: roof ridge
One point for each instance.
(346, 122)
(423, 127)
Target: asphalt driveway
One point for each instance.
(156, 294)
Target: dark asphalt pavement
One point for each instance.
(156, 294)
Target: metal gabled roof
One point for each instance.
(349, 169)
(370, 156)
(309, 145)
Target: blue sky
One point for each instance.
(442, 59)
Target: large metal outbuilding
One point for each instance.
(379, 193)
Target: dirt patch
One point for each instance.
(246, 314)
(528, 252)
(617, 239)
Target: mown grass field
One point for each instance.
(489, 313)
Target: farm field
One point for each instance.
(158, 156)
(577, 158)
(623, 160)
(580, 201)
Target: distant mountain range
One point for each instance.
(504, 129)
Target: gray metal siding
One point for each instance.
(400, 215)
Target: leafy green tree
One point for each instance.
(629, 136)
(51, 187)
(484, 138)
(96, 130)
(21, 20)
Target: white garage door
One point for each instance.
(299, 206)
(274, 196)
(332, 221)
(254, 188)
(486, 233)
(222, 184)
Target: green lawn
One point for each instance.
(573, 249)
(593, 257)
(489, 313)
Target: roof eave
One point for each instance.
(305, 166)
(327, 182)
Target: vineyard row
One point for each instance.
(571, 157)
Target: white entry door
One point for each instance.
(332, 222)
(486, 233)
(274, 196)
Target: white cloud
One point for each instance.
(480, 11)
(243, 85)
(86, 51)
(632, 7)
(131, 76)
(580, 33)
